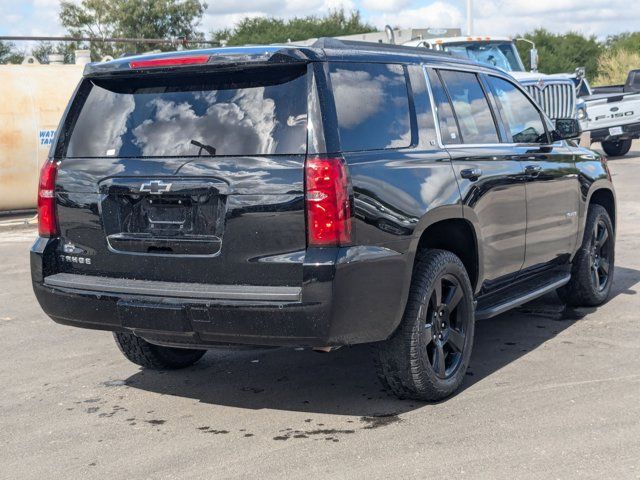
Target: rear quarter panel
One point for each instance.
(397, 195)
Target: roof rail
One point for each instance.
(338, 44)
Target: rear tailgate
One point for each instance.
(611, 110)
(187, 177)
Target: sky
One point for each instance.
(491, 17)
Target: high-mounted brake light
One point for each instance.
(47, 221)
(170, 61)
(327, 202)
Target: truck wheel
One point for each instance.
(592, 268)
(155, 357)
(617, 149)
(428, 355)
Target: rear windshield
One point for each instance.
(251, 112)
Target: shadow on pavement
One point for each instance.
(343, 382)
(623, 281)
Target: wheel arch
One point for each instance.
(604, 197)
(458, 236)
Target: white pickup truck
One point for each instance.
(612, 113)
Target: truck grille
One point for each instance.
(556, 99)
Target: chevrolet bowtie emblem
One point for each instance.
(155, 187)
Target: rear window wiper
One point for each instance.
(208, 148)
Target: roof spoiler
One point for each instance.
(202, 59)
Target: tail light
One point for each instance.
(327, 202)
(47, 221)
(170, 61)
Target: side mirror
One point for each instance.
(566, 128)
(533, 59)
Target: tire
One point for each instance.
(424, 360)
(155, 357)
(593, 266)
(617, 148)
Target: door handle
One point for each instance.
(471, 173)
(533, 170)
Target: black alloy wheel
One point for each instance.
(600, 259)
(445, 326)
(592, 268)
(427, 356)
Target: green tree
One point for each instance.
(562, 53)
(158, 19)
(615, 64)
(266, 30)
(91, 18)
(43, 49)
(9, 53)
(629, 41)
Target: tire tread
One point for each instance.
(155, 357)
(397, 360)
(579, 291)
(617, 149)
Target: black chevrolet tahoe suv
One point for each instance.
(318, 196)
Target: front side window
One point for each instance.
(471, 107)
(372, 105)
(522, 119)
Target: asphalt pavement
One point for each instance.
(550, 394)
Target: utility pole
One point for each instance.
(469, 17)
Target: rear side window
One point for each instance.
(446, 120)
(522, 119)
(372, 105)
(424, 112)
(471, 107)
(251, 112)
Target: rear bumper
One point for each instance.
(628, 132)
(348, 296)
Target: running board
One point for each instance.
(508, 300)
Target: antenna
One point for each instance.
(469, 17)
